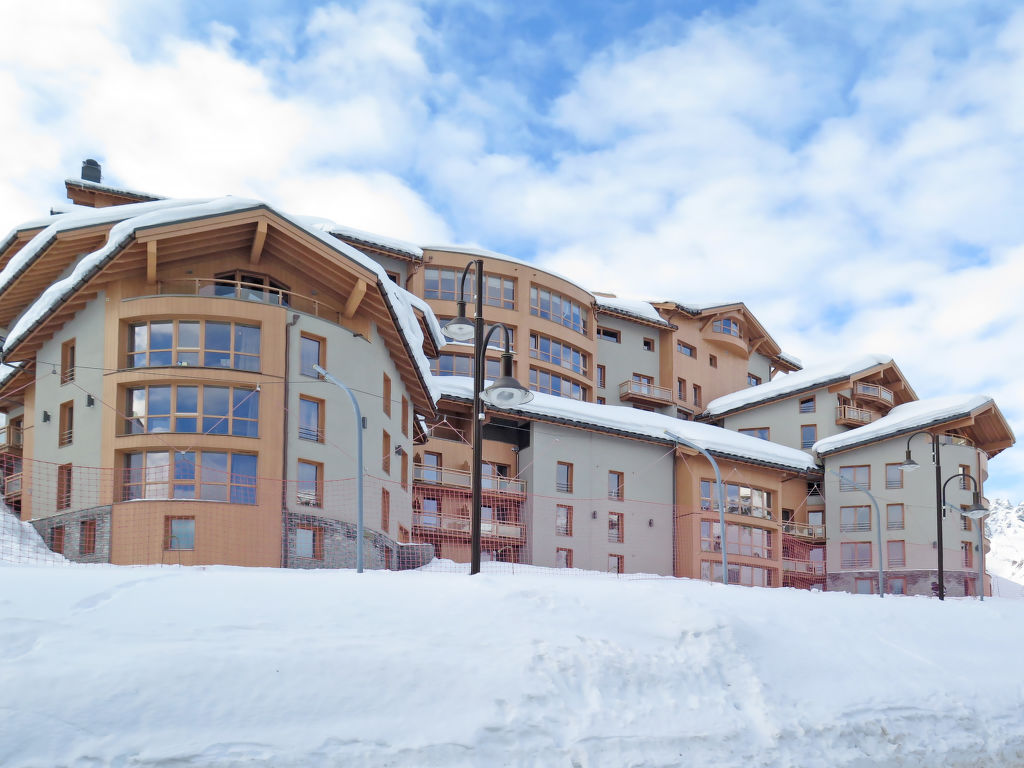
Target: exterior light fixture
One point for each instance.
(46, 415)
(909, 465)
(506, 392)
(90, 401)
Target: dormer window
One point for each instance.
(726, 325)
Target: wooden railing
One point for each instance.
(804, 530)
(860, 389)
(462, 525)
(850, 413)
(631, 388)
(460, 478)
(12, 485)
(10, 437)
(232, 289)
(811, 567)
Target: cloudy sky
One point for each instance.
(853, 171)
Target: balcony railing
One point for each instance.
(857, 526)
(10, 438)
(847, 414)
(462, 525)
(810, 567)
(12, 486)
(804, 530)
(231, 289)
(874, 391)
(460, 478)
(955, 440)
(856, 562)
(640, 390)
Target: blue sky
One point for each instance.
(854, 171)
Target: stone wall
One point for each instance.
(337, 546)
(72, 522)
(917, 582)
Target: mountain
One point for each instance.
(1005, 561)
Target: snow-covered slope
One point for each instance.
(19, 542)
(1005, 529)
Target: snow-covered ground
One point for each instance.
(169, 666)
(1005, 529)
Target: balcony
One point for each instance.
(460, 478)
(804, 530)
(11, 439)
(875, 392)
(230, 289)
(12, 486)
(434, 522)
(644, 393)
(804, 567)
(849, 416)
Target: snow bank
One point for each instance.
(902, 418)
(721, 442)
(159, 666)
(790, 383)
(20, 543)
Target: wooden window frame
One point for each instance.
(318, 500)
(754, 380)
(321, 357)
(849, 518)
(901, 560)
(64, 486)
(602, 377)
(66, 424)
(385, 397)
(405, 416)
(568, 556)
(903, 518)
(320, 421)
(648, 344)
(403, 535)
(857, 487)
(620, 535)
(318, 541)
(609, 334)
(713, 361)
(601, 401)
(569, 484)
(57, 539)
(892, 581)
(803, 443)
(67, 362)
(385, 510)
(568, 519)
(895, 484)
(168, 537)
(385, 462)
(812, 400)
(87, 537)
(860, 580)
(687, 350)
(698, 394)
(749, 432)
(405, 470)
(620, 485)
(856, 562)
(620, 564)
(681, 390)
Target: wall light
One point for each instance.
(90, 401)
(46, 416)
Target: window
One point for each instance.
(895, 554)
(808, 435)
(177, 342)
(87, 537)
(864, 586)
(855, 478)
(897, 585)
(553, 384)
(601, 401)
(616, 531)
(648, 345)
(309, 490)
(385, 462)
(403, 535)
(607, 334)
(727, 326)
(206, 475)
(177, 408)
(710, 536)
(739, 499)
(395, 278)
(64, 486)
(563, 558)
(893, 476)
(816, 517)
(563, 520)
(405, 416)
(970, 586)
(696, 396)
(642, 384)
(67, 361)
(386, 395)
(600, 376)
(713, 361)
(966, 484)
(752, 380)
(553, 306)
(967, 552)
(747, 575)
(448, 364)
(616, 486)
(444, 284)
(312, 351)
(855, 554)
(385, 509)
(616, 564)
(430, 471)
(762, 433)
(499, 291)
(179, 533)
(807, 405)
(748, 541)
(681, 389)
(685, 349)
(311, 419)
(250, 286)
(66, 427)
(894, 517)
(965, 523)
(430, 512)
(57, 539)
(563, 477)
(855, 518)
(557, 353)
(405, 471)
(309, 542)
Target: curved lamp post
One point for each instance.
(719, 491)
(504, 392)
(976, 512)
(909, 465)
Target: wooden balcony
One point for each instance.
(849, 416)
(11, 439)
(243, 291)
(424, 474)
(874, 392)
(12, 486)
(645, 394)
(459, 525)
(804, 567)
(804, 530)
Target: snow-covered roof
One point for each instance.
(471, 250)
(788, 384)
(720, 442)
(370, 238)
(905, 418)
(639, 308)
(141, 215)
(791, 359)
(100, 187)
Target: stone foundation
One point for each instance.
(72, 522)
(917, 582)
(338, 546)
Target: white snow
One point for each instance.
(390, 243)
(716, 440)
(168, 666)
(902, 418)
(638, 307)
(19, 543)
(470, 250)
(789, 383)
(1005, 528)
(98, 185)
(792, 359)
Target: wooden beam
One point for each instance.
(151, 262)
(257, 242)
(355, 299)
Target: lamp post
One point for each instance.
(878, 525)
(976, 512)
(909, 465)
(719, 491)
(505, 391)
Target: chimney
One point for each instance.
(91, 171)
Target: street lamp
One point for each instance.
(878, 524)
(719, 491)
(503, 392)
(909, 465)
(976, 512)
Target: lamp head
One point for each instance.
(460, 328)
(977, 509)
(505, 391)
(909, 465)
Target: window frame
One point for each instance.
(568, 557)
(87, 537)
(648, 344)
(804, 401)
(385, 396)
(565, 530)
(321, 408)
(317, 500)
(321, 356)
(620, 563)
(616, 527)
(169, 535)
(687, 350)
(896, 484)
(761, 433)
(900, 560)
(889, 524)
(385, 510)
(860, 486)
(564, 487)
(65, 486)
(66, 424)
(618, 493)
(317, 542)
(609, 334)
(67, 362)
(804, 442)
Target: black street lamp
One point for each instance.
(976, 512)
(505, 391)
